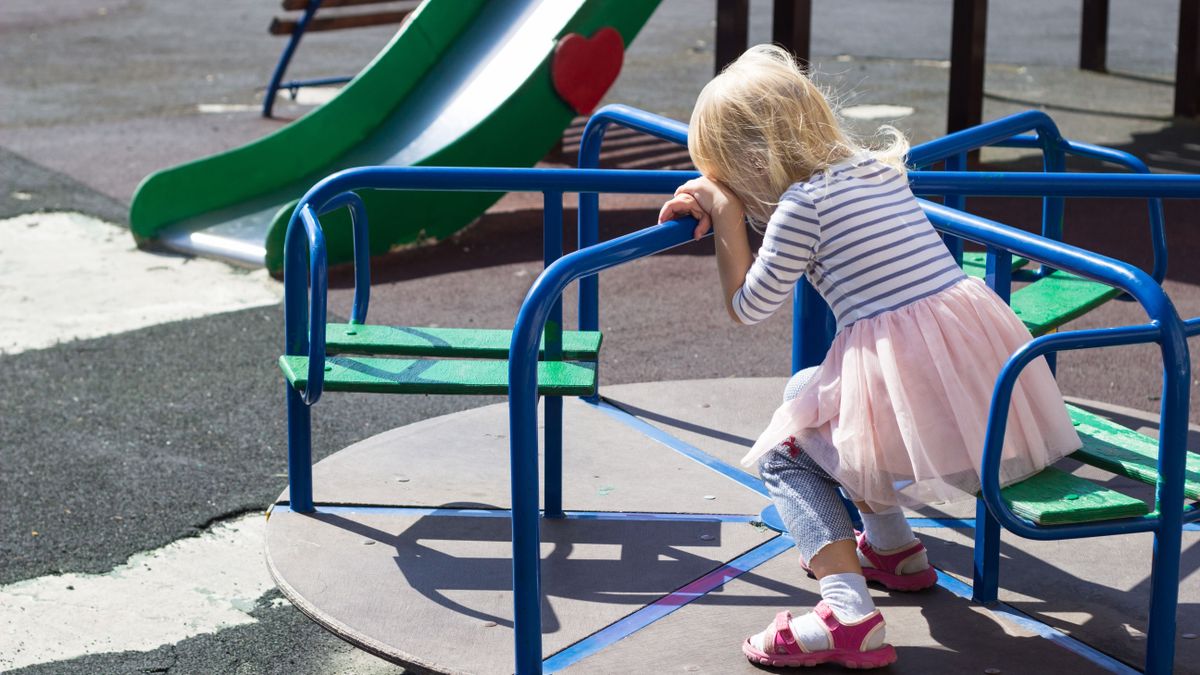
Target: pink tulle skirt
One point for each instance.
(897, 411)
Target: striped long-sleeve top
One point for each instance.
(859, 235)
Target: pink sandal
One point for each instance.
(847, 639)
(886, 568)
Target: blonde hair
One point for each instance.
(762, 125)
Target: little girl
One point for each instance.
(895, 414)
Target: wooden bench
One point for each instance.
(397, 12)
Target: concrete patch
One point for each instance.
(189, 587)
(67, 276)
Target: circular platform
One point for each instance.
(661, 565)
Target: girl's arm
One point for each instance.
(733, 250)
(723, 212)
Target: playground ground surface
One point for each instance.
(165, 420)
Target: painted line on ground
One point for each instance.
(686, 449)
(1108, 663)
(667, 604)
(945, 580)
(506, 513)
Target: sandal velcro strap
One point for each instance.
(783, 628)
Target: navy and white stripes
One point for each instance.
(859, 235)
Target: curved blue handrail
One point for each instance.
(522, 410)
(304, 322)
(588, 231)
(1165, 328)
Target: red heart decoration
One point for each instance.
(584, 68)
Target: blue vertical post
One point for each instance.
(1054, 160)
(998, 272)
(986, 573)
(589, 286)
(295, 327)
(523, 442)
(552, 249)
(956, 162)
(523, 447)
(811, 322)
(1172, 453)
(986, 581)
(299, 425)
(813, 327)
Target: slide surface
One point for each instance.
(463, 83)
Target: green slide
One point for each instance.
(463, 83)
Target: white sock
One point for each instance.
(887, 530)
(846, 594)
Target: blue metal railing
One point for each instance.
(541, 313)
(589, 202)
(305, 290)
(1169, 332)
(812, 322)
(1010, 132)
(522, 416)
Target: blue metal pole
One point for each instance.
(811, 334)
(589, 235)
(296, 300)
(362, 252)
(985, 584)
(522, 414)
(1054, 160)
(589, 203)
(552, 249)
(1168, 539)
(998, 272)
(1123, 159)
(299, 425)
(956, 162)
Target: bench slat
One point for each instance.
(288, 26)
(300, 5)
(1055, 497)
(1056, 299)
(1125, 452)
(430, 376)
(484, 343)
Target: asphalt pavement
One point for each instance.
(125, 443)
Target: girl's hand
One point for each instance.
(713, 199)
(685, 204)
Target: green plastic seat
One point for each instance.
(1055, 497)
(480, 343)
(437, 376)
(1125, 452)
(1057, 298)
(1049, 302)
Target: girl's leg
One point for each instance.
(811, 507)
(809, 503)
(886, 530)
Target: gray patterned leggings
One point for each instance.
(807, 497)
